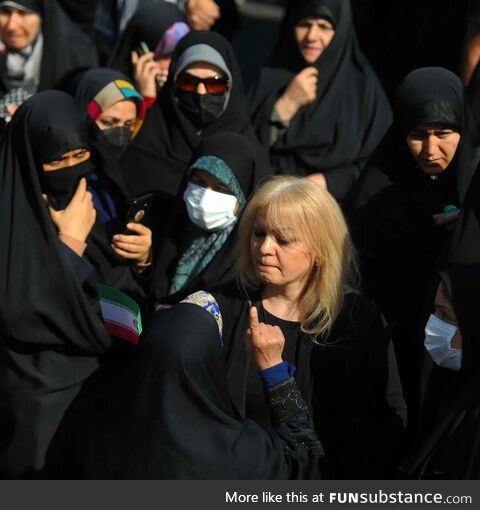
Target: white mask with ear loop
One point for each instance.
(208, 209)
(438, 342)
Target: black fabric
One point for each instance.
(168, 415)
(399, 36)
(349, 381)
(449, 445)
(51, 336)
(83, 13)
(159, 156)
(339, 131)
(239, 155)
(391, 216)
(148, 25)
(65, 48)
(466, 240)
(32, 5)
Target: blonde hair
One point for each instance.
(317, 220)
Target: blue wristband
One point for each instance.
(277, 374)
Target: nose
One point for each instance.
(266, 246)
(313, 32)
(201, 89)
(430, 145)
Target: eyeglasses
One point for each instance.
(217, 84)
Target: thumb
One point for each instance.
(134, 57)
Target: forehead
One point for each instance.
(314, 20)
(203, 69)
(432, 127)
(121, 109)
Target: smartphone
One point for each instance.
(142, 49)
(139, 209)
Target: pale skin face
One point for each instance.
(121, 114)
(68, 159)
(18, 29)
(209, 181)
(203, 70)
(444, 311)
(433, 147)
(279, 261)
(313, 35)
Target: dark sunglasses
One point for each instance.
(217, 84)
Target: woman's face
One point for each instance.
(278, 260)
(209, 181)
(121, 114)
(68, 159)
(433, 147)
(313, 35)
(444, 311)
(18, 28)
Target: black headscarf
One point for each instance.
(158, 158)
(167, 414)
(50, 335)
(340, 130)
(148, 24)
(65, 46)
(239, 155)
(449, 447)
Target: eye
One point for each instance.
(258, 233)
(222, 189)
(194, 179)
(283, 242)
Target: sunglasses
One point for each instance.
(217, 84)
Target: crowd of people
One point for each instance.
(203, 283)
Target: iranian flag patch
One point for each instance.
(121, 314)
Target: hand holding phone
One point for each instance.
(146, 70)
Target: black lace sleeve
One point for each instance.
(294, 425)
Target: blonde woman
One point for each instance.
(296, 265)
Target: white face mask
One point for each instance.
(438, 342)
(208, 209)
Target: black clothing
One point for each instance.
(349, 380)
(448, 446)
(65, 48)
(159, 156)
(167, 414)
(399, 36)
(51, 337)
(239, 155)
(340, 130)
(148, 25)
(399, 245)
(83, 13)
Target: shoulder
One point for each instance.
(360, 324)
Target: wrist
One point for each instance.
(76, 245)
(286, 107)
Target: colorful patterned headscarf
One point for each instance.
(98, 89)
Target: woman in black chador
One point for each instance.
(43, 48)
(52, 256)
(197, 250)
(318, 106)
(166, 412)
(448, 445)
(406, 204)
(203, 96)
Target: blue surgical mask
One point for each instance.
(438, 342)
